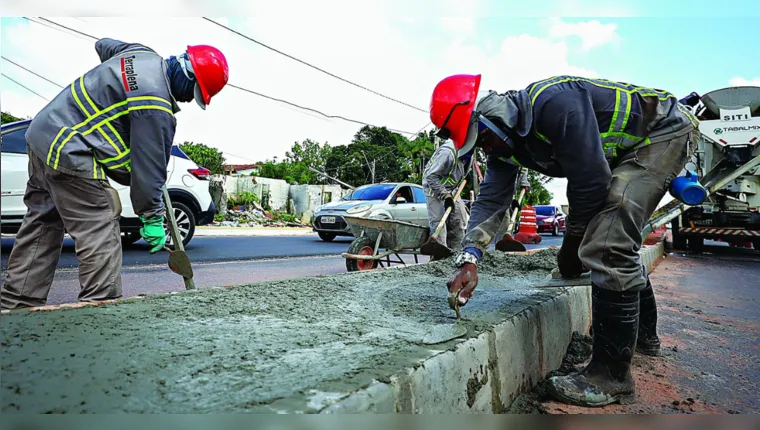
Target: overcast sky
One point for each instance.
(390, 47)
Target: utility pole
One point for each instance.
(371, 167)
(330, 177)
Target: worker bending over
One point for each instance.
(442, 177)
(619, 146)
(115, 120)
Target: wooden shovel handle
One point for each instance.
(448, 210)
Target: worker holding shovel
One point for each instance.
(620, 146)
(115, 120)
(440, 181)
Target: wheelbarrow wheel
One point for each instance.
(361, 246)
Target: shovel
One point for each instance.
(555, 280)
(179, 262)
(508, 243)
(433, 247)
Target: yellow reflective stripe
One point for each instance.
(98, 125)
(76, 98)
(617, 109)
(105, 135)
(108, 160)
(122, 113)
(84, 91)
(627, 112)
(58, 153)
(129, 169)
(644, 92)
(118, 136)
(537, 84)
(514, 160)
(122, 103)
(119, 165)
(58, 136)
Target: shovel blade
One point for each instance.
(435, 249)
(179, 263)
(443, 333)
(509, 244)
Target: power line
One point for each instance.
(258, 93)
(34, 73)
(54, 28)
(69, 28)
(313, 66)
(310, 109)
(24, 86)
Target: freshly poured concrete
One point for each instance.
(287, 346)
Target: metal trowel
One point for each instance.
(446, 332)
(555, 280)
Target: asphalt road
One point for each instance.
(217, 262)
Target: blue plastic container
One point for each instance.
(687, 189)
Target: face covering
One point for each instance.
(181, 87)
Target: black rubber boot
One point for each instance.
(648, 342)
(607, 379)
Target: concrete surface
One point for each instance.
(217, 261)
(307, 345)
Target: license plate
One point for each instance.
(328, 220)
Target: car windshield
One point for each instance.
(373, 192)
(544, 210)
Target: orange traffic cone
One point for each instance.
(528, 230)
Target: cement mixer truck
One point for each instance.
(728, 165)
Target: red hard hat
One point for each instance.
(452, 104)
(210, 69)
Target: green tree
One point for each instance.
(8, 118)
(205, 156)
(538, 194)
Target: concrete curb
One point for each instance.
(485, 374)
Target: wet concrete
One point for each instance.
(268, 347)
(709, 326)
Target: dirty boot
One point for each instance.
(607, 378)
(648, 342)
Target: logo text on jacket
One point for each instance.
(128, 75)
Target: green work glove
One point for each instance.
(153, 232)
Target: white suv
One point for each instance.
(186, 181)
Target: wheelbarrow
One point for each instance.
(379, 239)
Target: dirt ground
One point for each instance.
(709, 327)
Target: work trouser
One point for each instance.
(613, 238)
(89, 210)
(455, 226)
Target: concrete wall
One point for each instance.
(276, 192)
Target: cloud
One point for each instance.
(743, 82)
(592, 33)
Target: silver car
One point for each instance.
(397, 201)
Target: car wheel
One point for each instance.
(185, 223)
(556, 230)
(327, 237)
(130, 237)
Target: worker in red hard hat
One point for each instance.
(115, 120)
(619, 146)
